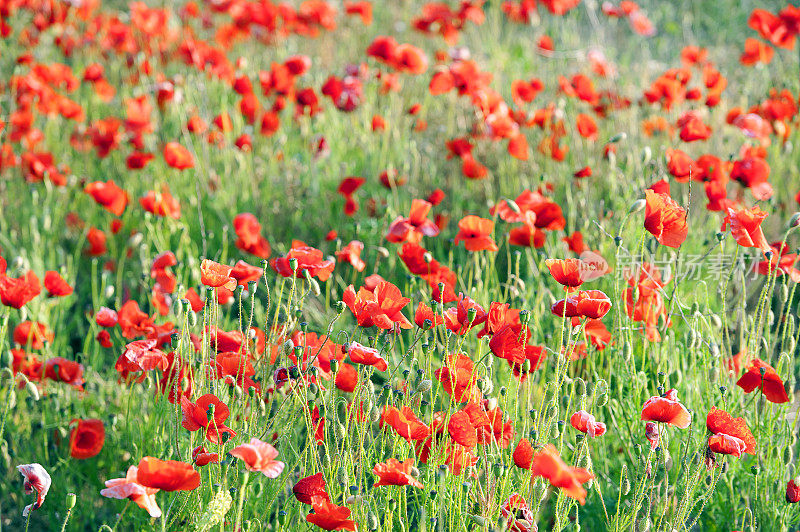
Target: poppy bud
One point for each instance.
(637, 206)
(794, 221)
(372, 520)
(425, 386)
(374, 414)
(315, 289)
(383, 252)
(619, 137)
(6, 374)
(32, 390)
(6, 359)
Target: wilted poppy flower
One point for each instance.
(177, 156)
(209, 413)
(309, 487)
(36, 479)
(329, 516)
(746, 227)
(167, 475)
(55, 285)
(128, 487)
(259, 456)
(548, 464)
(476, 233)
(520, 518)
(396, 473)
(665, 219)
(585, 422)
(761, 375)
(667, 410)
(87, 438)
(308, 259)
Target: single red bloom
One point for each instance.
(361, 354)
(769, 383)
(209, 413)
(309, 487)
(351, 254)
(726, 444)
(721, 422)
(665, 219)
(666, 410)
(308, 259)
(458, 377)
(523, 454)
(87, 438)
(329, 516)
(62, 370)
(586, 423)
(109, 195)
(395, 473)
(202, 457)
(405, 423)
(461, 430)
(382, 307)
(17, 292)
(746, 227)
(177, 156)
(592, 304)
(548, 464)
(167, 475)
(566, 272)
(216, 275)
(55, 285)
(33, 334)
(476, 233)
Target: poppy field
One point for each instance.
(466, 265)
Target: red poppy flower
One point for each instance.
(523, 454)
(209, 413)
(511, 343)
(476, 233)
(405, 423)
(55, 285)
(177, 156)
(32, 335)
(548, 464)
(458, 377)
(585, 422)
(17, 292)
(351, 254)
(395, 473)
(202, 457)
(308, 259)
(592, 304)
(496, 432)
(667, 410)
(726, 444)
(361, 354)
(665, 219)
(567, 272)
(167, 475)
(769, 383)
(413, 228)
(141, 355)
(461, 430)
(792, 491)
(109, 195)
(67, 371)
(515, 510)
(309, 487)
(721, 422)
(746, 227)
(382, 307)
(250, 240)
(161, 204)
(130, 488)
(87, 438)
(259, 456)
(216, 275)
(329, 516)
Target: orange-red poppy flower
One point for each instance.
(721, 422)
(167, 475)
(308, 259)
(109, 195)
(32, 334)
(458, 377)
(55, 285)
(405, 423)
(87, 438)
(476, 233)
(177, 156)
(216, 275)
(523, 454)
(667, 410)
(60, 369)
(209, 413)
(548, 464)
(665, 219)
(17, 292)
(382, 307)
(520, 518)
(329, 516)
(201, 457)
(309, 487)
(567, 272)
(592, 304)
(259, 456)
(368, 356)
(395, 473)
(746, 227)
(761, 375)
